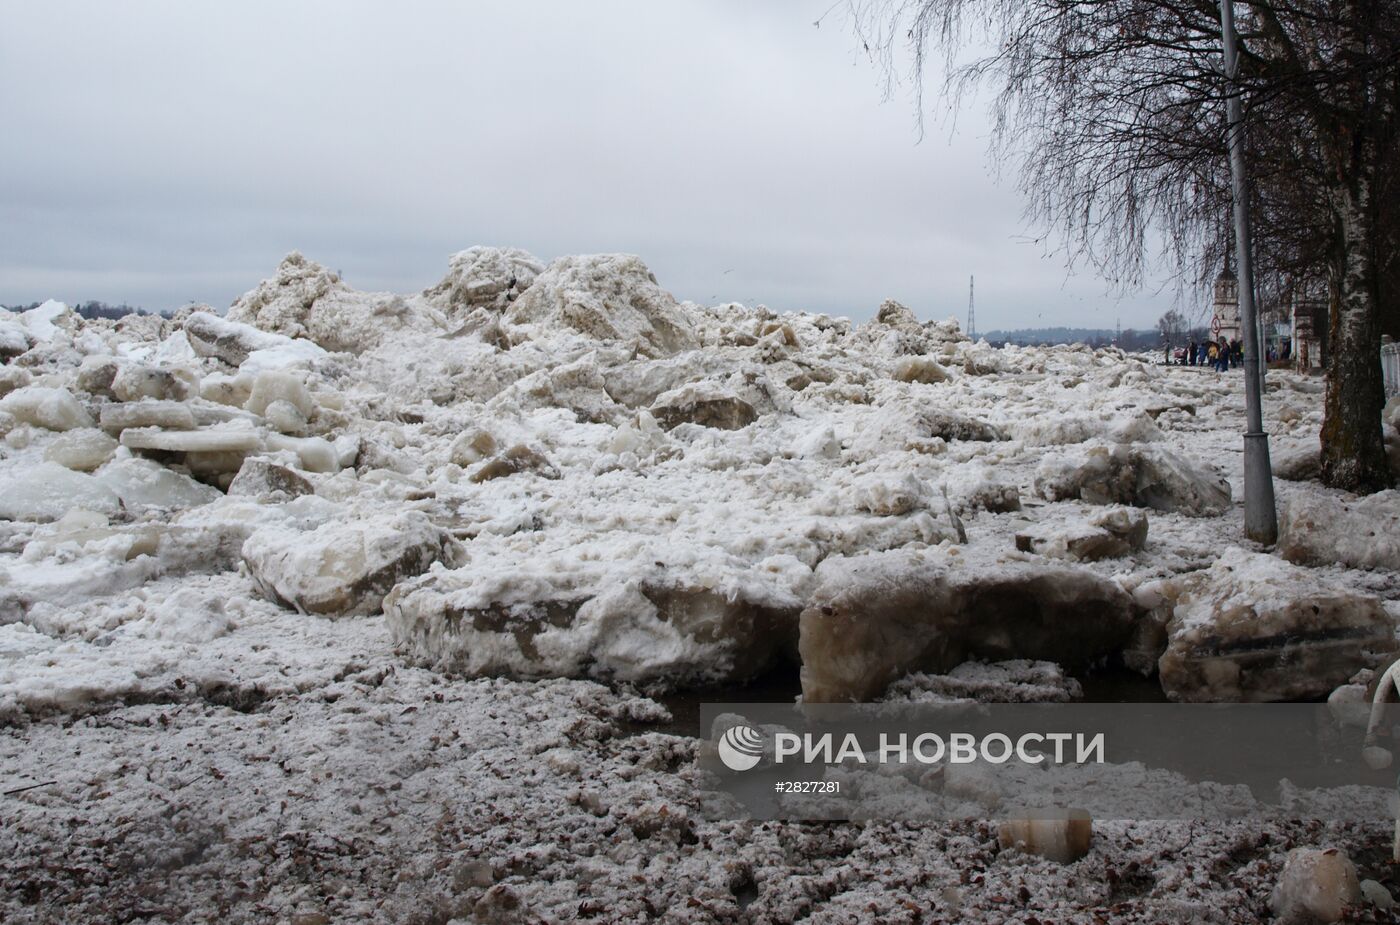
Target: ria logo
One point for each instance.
(741, 747)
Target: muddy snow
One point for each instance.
(346, 606)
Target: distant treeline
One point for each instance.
(92, 309)
(1130, 340)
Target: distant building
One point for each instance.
(1225, 318)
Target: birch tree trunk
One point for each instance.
(1353, 447)
(1355, 133)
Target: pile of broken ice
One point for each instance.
(543, 470)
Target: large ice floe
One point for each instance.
(415, 555)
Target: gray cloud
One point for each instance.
(159, 152)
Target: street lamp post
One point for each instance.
(1260, 518)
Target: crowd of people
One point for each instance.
(1219, 355)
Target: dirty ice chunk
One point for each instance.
(234, 342)
(707, 403)
(134, 382)
(1316, 529)
(1014, 681)
(606, 297)
(269, 482)
(1112, 534)
(875, 618)
(1254, 628)
(1317, 884)
(485, 277)
(1136, 474)
(651, 621)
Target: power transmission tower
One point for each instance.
(971, 311)
(1118, 332)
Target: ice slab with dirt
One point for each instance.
(1325, 529)
(872, 619)
(1255, 628)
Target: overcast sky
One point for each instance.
(165, 152)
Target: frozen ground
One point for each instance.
(349, 607)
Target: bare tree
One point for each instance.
(1172, 327)
(1114, 111)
